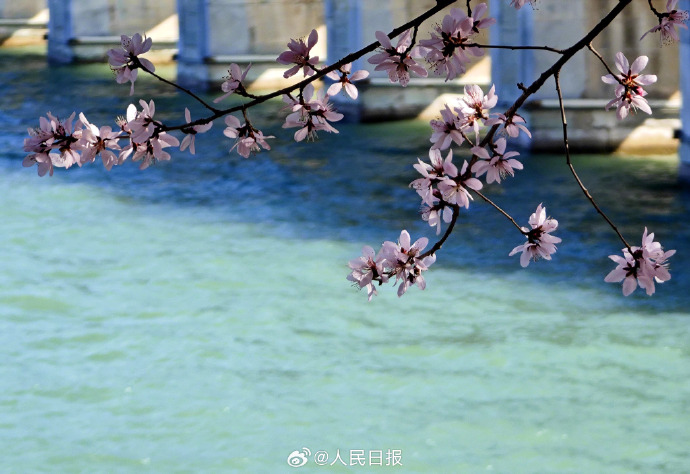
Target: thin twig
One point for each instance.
(501, 46)
(655, 11)
(145, 69)
(437, 246)
(508, 216)
(565, 57)
(596, 53)
(570, 164)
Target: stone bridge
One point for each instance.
(205, 36)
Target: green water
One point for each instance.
(195, 317)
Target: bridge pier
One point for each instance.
(23, 23)
(214, 34)
(84, 31)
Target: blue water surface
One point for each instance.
(195, 317)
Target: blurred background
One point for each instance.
(195, 317)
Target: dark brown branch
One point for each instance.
(501, 46)
(508, 216)
(440, 5)
(565, 57)
(209, 107)
(437, 246)
(596, 53)
(570, 164)
(655, 11)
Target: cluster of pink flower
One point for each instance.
(446, 51)
(641, 266)
(80, 142)
(669, 21)
(401, 260)
(443, 189)
(629, 92)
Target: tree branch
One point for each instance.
(415, 22)
(136, 61)
(570, 164)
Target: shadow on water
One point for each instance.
(353, 186)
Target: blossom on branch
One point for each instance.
(513, 125)
(540, 242)
(248, 139)
(233, 82)
(454, 190)
(397, 61)
(669, 21)
(497, 165)
(95, 140)
(191, 132)
(151, 151)
(53, 134)
(446, 49)
(298, 54)
(518, 4)
(345, 80)
(405, 263)
(141, 124)
(433, 173)
(45, 164)
(310, 115)
(474, 108)
(446, 130)
(477, 21)
(629, 92)
(641, 266)
(125, 61)
(367, 269)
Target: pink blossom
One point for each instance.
(437, 171)
(669, 21)
(455, 190)
(397, 61)
(521, 3)
(345, 80)
(247, 138)
(641, 266)
(446, 50)
(311, 115)
(191, 132)
(629, 92)
(436, 213)
(514, 125)
(45, 164)
(496, 165)
(298, 54)
(474, 107)
(367, 269)
(405, 263)
(233, 82)
(141, 124)
(151, 151)
(125, 62)
(477, 21)
(53, 134)
(540, 242)
(446, 130)
(96, 140)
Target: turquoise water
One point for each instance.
(195, 317)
